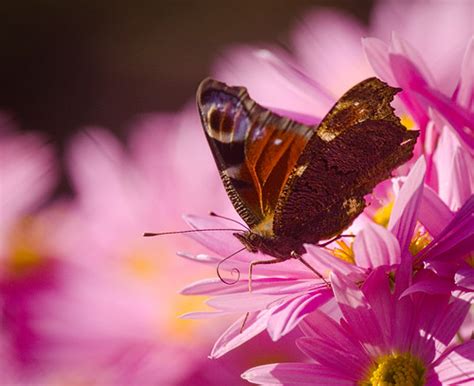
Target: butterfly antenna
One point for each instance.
(213, 214)
(150, 234)
(234, 270)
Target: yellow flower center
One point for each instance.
(419, 241)
(407, 121)
(382, 215)
(396, 370)
(344, 252)
(24, 248)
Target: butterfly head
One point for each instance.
(279, 247)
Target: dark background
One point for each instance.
(66, 64)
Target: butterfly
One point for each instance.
(293, 183)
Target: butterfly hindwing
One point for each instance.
(255, 150)
(357, 145)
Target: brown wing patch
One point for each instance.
(255, 150)
(354, 150)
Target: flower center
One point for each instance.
(382, 215)
(419, 241)
(396, 370)
(24, 245)
(344, 252)
(407, 121)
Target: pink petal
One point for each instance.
(430, 283)
(301, 374)
(465, 278)
(333, 347)
(455, 167)
(405, 210)
(322, 261)
(408, 77)
(221, 242)
(376, 52)
(357, 312)
(456, 239)
(271, 285)
(289, 314)
(201, 258)
(412, 21)
(243, 302)
(433, 212)
(460, 119)
(202, 315)
(375, 246)
(457, 367)
(325, 41)
(232, 337)
(465, 91)
(417, 71)
(272, 81)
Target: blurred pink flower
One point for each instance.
(115, 319)
(380, 336)
(28, 174)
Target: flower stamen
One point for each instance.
(344, 252)
(396, 370)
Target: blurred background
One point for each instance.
(66, 64)
(100, 141)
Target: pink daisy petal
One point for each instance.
(324, 262)
(377, 55)
(465, 278)
(428, 282)
(233, 337)
(213, 240)
(460, 119)
(270, 80)
(375, 246)
(289, 314)
(455, 169)
(456, 239)
(203, 315)
(465, 91)
(300, 374)
(404, 214)
(434, 214)
(243, 302)
(414, 67)
(325, 41)
(330, 345)
(356, 311)
(268, 285)
(456, 368)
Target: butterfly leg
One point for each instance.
(300, 258)
(322, 245)
(260, 262)
(253, 264)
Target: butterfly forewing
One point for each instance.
(255, 149)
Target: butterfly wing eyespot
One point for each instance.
(255, 150)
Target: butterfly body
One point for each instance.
(293, 183)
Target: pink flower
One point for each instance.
(115, 318)
(284, 294)
(27, 268)
(380, 337)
